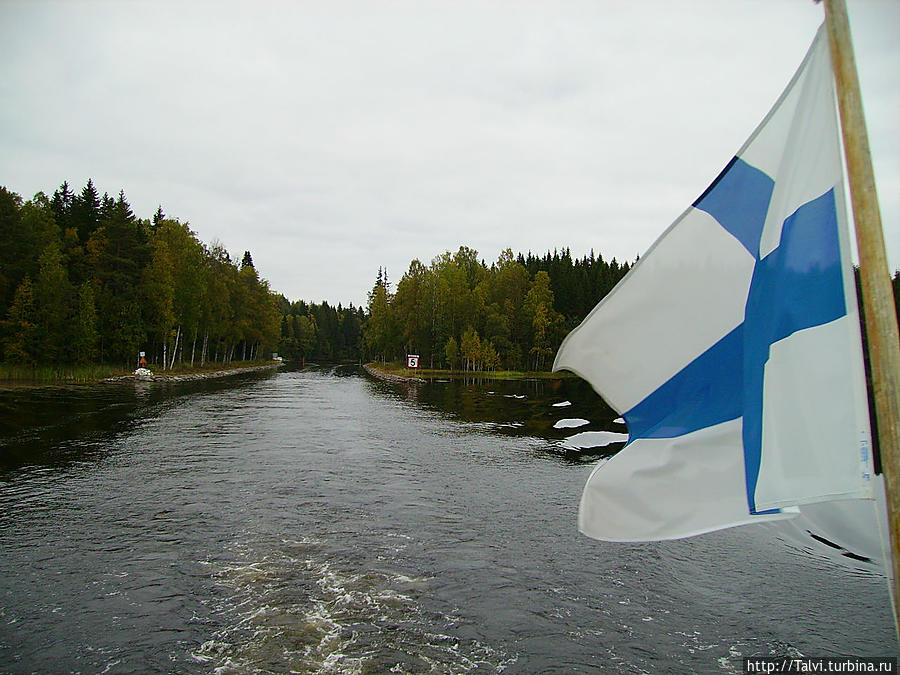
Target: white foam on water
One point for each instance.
(111, 665)
(572, 423)
(562, 404)
(292, 609)
(593, 439)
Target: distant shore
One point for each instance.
(197, 375)
(394, 372)
(19, 377)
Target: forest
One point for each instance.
(84, 281)
(458, 313)
(313, 332)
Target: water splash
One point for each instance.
(290, 608)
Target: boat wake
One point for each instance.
(291, 609)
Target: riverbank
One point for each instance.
(18, 377)
(14, 374)
(394, 372)
(205, 374)
(378, 372)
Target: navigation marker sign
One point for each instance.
(412, 360)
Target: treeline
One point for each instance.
(320, 332)
(460, 313)
(84, 281)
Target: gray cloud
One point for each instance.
(334, 138)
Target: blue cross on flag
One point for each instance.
(732, 348)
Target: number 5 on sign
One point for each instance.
(412, 360)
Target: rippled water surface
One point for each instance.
(319, 521)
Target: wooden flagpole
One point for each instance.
(878, 299)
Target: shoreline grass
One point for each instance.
(43, 374)
(400, 370)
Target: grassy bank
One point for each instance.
(53, 374)
(95, 373)
(398, 369)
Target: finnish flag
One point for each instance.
(732, 348)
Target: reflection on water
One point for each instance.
(547, 409)
(54, 424)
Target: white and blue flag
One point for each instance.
(732, 348)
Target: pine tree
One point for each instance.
(61, 203)
(19, 326)
(10, 253)
(52, 296)
(379, 329)
(25, 232)
(84, 329)
(86, 212)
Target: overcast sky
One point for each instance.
(331, 138)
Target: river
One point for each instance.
(320, 521)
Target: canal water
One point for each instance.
(320, 521)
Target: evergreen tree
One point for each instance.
(351, 324)
(117, 254)
(84, 330)
(25, 232)
(52, 296)
(61, 203)
(19, 326)
(307, 336)
(10, 206)
(85, 212)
